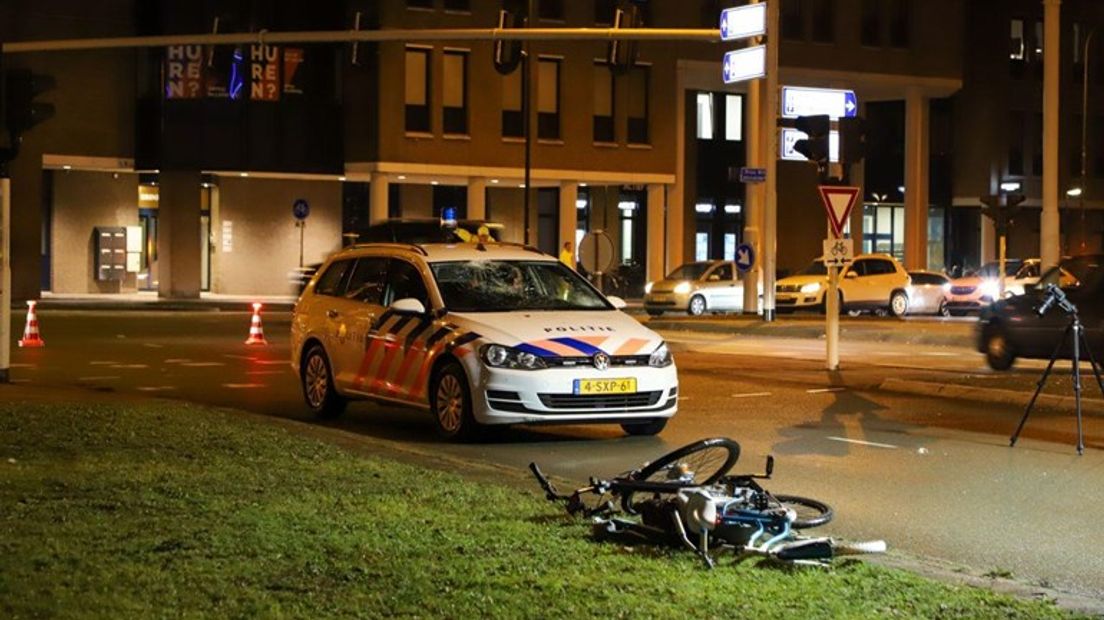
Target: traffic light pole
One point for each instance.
(768, 113)
(5, 275)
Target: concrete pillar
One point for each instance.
(917, 172)
(378, 198)
(178, 238)
(569, 213)
(676, 196)
(656, 266)
(477, 198)
(1050, 239)
(988, 240)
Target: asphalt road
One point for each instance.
(933, 477)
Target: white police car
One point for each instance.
(479, 334)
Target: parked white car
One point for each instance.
(697, 288)
(874, 282)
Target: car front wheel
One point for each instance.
(697, 306)
(451, 403)
(898, 304)
(998, 352)
(318, 385)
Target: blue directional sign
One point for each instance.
(745, 64)
(742, 22)
(745, 257)
(300, 209)
(802, 101)
(753, 175)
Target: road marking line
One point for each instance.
(153, 345)
(21, 365)
(156, 388)
(134, 366)
(201, 364)
(751, 395)
(270, 362)
(177, 360)
(102, 378)
(940, 353)
(243, 386)
(19, 380)
(265, 372)
(238, 357)
(825, 390)
(101, 363)
(872, 444)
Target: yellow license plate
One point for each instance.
(605, 386)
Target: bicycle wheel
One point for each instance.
(810, 512)
(698, 464)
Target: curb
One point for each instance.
(989, 395)
(172, 306)
(854, 332)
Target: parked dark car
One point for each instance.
(1012, 328)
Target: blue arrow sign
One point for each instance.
(745, 257)
(742, 22)
(746, 64)
(300, 209)
(802, 101)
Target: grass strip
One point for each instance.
(172, 509)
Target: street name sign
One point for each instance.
(838, 252)
(753, 175)
(802, 101)
(745, 64)
(745, 257)
(742, 22)
(838, 201)
(790, 137)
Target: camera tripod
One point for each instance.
(1075, 329)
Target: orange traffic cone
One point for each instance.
(31, 337)
(256, 330)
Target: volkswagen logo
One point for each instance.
(601, 361)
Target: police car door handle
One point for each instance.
(332, 313)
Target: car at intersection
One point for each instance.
(478, 334)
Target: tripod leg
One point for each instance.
(1042, 382)
(1078, 334)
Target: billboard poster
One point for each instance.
(293, 57)
(184, 72)
(264, 73)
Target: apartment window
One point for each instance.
(417, 89)
(792, 20)
(1018, 46)
(871, 23)
(460, 6)
(603, 11)
(1015, 144)
(824, 21)
(734, 118)
(899, 23)
(455, 95)
(705, 116)
(1038, 42)
(603, 103)
(551, 9)
(548, 99)
(638, 105)
(419, 4)
(513, 121)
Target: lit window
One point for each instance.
(455, 96)
(705, 116)
(703, 207)
(513, 121)
(732, 209)
(603, 103)
(730, 246)
(1017, 40)
(701, 246)
(1039, 41)
(548, 99)
(417, 89)
(638, 105)
(734, 117)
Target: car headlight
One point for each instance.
(499, 356)
(947, 288)
(682, 288)
(990, 288)
(661, 357)
(811, 287)
(648, 288)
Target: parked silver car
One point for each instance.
(928, 293)
(697, 288)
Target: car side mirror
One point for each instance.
(617, 302)
(408, 305)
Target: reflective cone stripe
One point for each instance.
(256, 330)
(31, 338)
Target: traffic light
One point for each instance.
(507, 54)
(852, 135)
(20, 110)
(815, 146)
(621, 55)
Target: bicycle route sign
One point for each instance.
(745, 257)
(300, 209)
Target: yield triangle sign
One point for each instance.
(838, 202)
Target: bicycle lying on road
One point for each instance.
(686, 498)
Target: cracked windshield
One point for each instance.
(497, 286)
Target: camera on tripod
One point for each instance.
(1055, 295)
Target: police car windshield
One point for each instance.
(505, 286)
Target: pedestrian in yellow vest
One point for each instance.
(567, 254)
